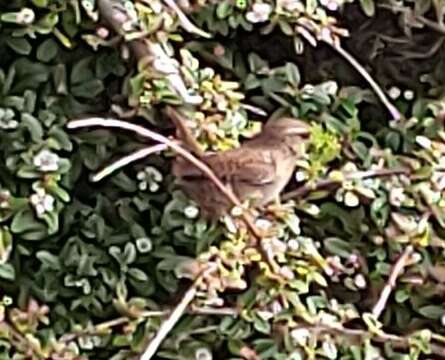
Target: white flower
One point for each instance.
(330, 87)
(360, 281)
(300, 336)
(191, 212)
(156, 6)
(408, 95)
(263, 224)
(394, 92)
(351, 199)
(46, 160)
(276, 307)
(259, 13)
(397, 196)
(329, 349)
(287, 272)
(301, 175)
(5, 195)
(203, 354)
(265, 315)
(25, 16)
(331, 5)
(149, 178)
(144, 245)
(424, 142)
(293, 244)
(7, 120)
(42, 201)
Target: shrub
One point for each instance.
(96, 258)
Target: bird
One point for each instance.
(258, 170)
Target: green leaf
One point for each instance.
(40, 3)
(337, 246)
(33, 125)
(5, 244)
(89, 89)
(368, 7)
(47, 50)
(7, 272)
(19, 45)
(433, 312)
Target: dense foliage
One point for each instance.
(355, 268)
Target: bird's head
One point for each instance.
(287, 127)
(291, 131)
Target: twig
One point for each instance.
(185, 22)
(391, 283)
(99, 329)
(421, 19)
(137, 155)
(398, 341)
(305, 189)
(254, 109)
(174, 317)
(395, 113)
(114, 123)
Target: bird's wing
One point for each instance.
(243, 165)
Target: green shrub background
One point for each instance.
(85, 266)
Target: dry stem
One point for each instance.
(391, 283)
(322, 184)
(137, 155)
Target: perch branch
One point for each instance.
(391, 283)
(322, 184)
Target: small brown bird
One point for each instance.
(258, 170)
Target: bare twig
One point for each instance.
(184, 20)
(391, 283)
(174, 317)
(398, 341)
(395, 113)
(137, 155)
(327, 183)
(438, 27)
(101, 328)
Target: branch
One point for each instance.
(391, 283)
(137, 155)
(185, 22)
(174, 317)
(322, 184)
(395, 113)
(438, 27)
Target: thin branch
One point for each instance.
(438, 27)
(137, 155)
(253, 109)
(174, 317)
(395, 113)
(184, 20)
(101, 328)
(391, 283)
(322, 184)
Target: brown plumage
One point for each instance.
(257, 171)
